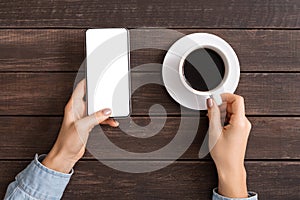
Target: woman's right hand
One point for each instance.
(228, 144)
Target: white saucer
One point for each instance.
(172, 70)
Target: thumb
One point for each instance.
(87, 123)
(215, 127)
(214, 114)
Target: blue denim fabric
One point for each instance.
(38, 182)
(216, 196)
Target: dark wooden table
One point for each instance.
(42, 44)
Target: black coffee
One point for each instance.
(203, 69)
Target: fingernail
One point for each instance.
(209, 102)
(106, 111)
(117, 123)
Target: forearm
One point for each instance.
(58, 162)
(232, 182)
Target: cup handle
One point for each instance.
(217, 98)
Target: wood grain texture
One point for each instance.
(47, 94)
(180, 180)
(34, 94)
(270, 138)
(151, 13)
(41, 50)
(64, 49)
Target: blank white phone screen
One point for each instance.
(108, 78)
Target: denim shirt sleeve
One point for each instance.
(38, 182)
(216, 196)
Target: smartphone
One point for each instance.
(108, 71)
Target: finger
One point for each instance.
(235, 103)
(89, 122)
(227, 119)
(111, 122)
(215, 126)
(223, 107)
(76, 105)
(223, 112)
(79, 91)
(77, 95)
(214, 116)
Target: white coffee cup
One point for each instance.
(211, 92)
(176, 83)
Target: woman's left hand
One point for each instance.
(71, 141)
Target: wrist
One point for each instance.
(57, 162)
(232, 182)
